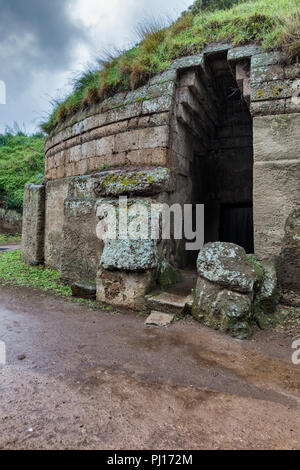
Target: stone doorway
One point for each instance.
(215, 127)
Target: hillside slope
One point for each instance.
(21, 162)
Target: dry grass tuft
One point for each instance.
(104, 91)
(183, 23)
(290, 40)
(137, 76)
(92, 96)
(61, 112)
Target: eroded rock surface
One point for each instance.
(226, 264)
(290, 260)
(226, 288)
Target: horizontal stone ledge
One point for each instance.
(243, 52)
(145, 157)
(117, 183)
(278, 163)
(108, 132)
(273, 90)
(268, 73)
(265, 108)
(144, 106)
(266, 58)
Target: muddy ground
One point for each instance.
(96, 380)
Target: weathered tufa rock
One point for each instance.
(226, 264)
(290, 260)
(159, 319)
(129, 255)
(124, 288)
(146, 182)
(83, 291)
(267, 295)
(222, 309)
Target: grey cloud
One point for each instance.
(36, 39)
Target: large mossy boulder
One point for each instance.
(226, 288)
(222, 309)
(226, 264)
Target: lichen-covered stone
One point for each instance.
(222, 309)
(226, 264)
(145, 182)
(186, 62)
(267, 294)
(243, 52)
(129, 255)
(81, 249)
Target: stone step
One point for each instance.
(159, 319)
(170, 302)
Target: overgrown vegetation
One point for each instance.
(9, 238)
(13, 271)
(21, 162)
(273, 23)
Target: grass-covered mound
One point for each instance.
(21, 162)
(272, 23)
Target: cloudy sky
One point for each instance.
(46, 43)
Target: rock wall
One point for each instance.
(10, 221)
(275, 106)
(276, 178)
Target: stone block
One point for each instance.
(159, 319)
(33, 224)
(81, 249)
(144, 182)
(225, 264)
(268, 108)
(157, 105)
(276, 137)
(56, 193)
(106, 146)
(243, 52)
(124, 289)
(266, 58)
(272, 90)
(275, 194)
(129, 255)
(267, 74)
(127, 141)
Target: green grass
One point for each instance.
(9, 238)
(272, 23)
(13, 271)
(21, 162)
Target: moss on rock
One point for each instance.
(167, 275)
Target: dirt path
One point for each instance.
(10, 247)
(93, 380)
